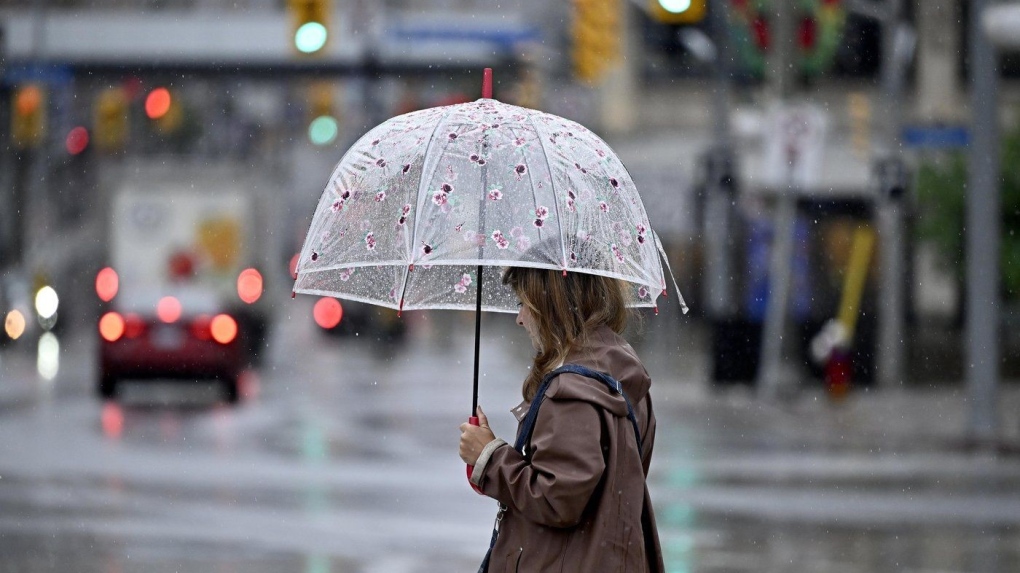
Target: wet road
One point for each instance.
(342, 458)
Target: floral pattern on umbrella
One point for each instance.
(419, 202)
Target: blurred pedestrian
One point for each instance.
(572, 493)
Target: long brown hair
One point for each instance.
(566, 308)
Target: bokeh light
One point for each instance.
(157, 103)
(249, 285)
(328, 312)
(310, 37)
(111, 326)
(168, 309)
(223, 328)
(14, 324)
(107, 284)
(77, 140)
(323, 130)
(46, 302)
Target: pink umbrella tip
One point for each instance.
(487, 83)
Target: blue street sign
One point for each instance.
(47, 74)
(935, 137)
(505, 37)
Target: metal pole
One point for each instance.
(771, 355)
(7, 216)
(719, 188)
(892, 185)
(982, 232)
(889, 168)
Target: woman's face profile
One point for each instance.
(527, 320)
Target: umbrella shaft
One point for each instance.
(478, 333)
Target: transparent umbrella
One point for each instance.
(420, 205)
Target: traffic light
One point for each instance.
(678, 11)
(165, 110)
(110, 120)
(323, 126)
(310, 24)
(596, 38)
(28, 116)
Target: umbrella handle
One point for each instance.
(473, 420)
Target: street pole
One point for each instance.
(615, 94)
(7, 216)
(982, 232)
(771, 356)
(720, 188)
(890, 177)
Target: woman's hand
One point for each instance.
(474, 438)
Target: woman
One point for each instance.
(576, 499)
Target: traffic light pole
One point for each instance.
(7, 216)
(890, 176)
(720, 188)
(982, 235)
(771, 355)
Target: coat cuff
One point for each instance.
(483, 460)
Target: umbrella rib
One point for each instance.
(306, 246)
(662, 252)
(420, 202)
(552, 189)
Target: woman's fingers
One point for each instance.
(473, 439)
(482, 420)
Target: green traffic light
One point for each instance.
(310, 37)
(675, 6)
(323, 130)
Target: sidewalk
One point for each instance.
(906, 419)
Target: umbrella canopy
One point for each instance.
(422, 202)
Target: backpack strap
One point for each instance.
(528, 425)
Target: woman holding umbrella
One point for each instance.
(572, 490)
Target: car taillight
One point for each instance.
(327, 312)
(134, 326)
(107, 284)
(223, 329)
(249, 285)
(168, 309)
(201, 327)
(111, 326)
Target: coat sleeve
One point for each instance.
(566, 466)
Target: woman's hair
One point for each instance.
(565, 309)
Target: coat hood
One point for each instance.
(607, 352)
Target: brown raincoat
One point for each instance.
(577, 502)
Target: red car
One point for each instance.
(181, 335)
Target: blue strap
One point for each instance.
(528, 425)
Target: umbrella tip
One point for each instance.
(400, 309)
(564, 272)
(487, 83)
(293, 294)
(656, 310)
